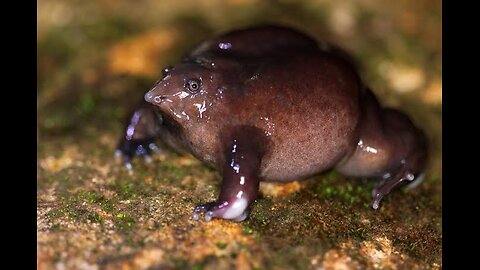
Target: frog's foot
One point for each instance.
(389, 182)
(416, 182)
(240, 181)
(127, 149)
(235, 210)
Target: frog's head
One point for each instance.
(189, 91)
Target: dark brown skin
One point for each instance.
(268, 104)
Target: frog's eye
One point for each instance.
(166, 70)
(193, 85)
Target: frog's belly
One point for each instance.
(306, 151)
(287, 166)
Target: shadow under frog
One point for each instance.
(269, 104)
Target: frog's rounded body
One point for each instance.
(309, 118)
(267, 103)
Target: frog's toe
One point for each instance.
(128, 165)
(235, 211)
(208, 216)
(127, 149)
(154, 148)
(416, 182)
(376, 200)
(403, 175)
(125, 159)
(202, 208)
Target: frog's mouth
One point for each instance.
(168, 121)
(163, 113)
(160, 102)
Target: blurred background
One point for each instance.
(96, 59)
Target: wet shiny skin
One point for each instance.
(268, 104)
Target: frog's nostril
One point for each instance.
(152, 98)
(158, 99)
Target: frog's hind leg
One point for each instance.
(390, 148)
(385, 185)
(409, 157)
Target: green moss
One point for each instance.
(86, 104)
(124, 222)
(221, 245)
(68, 207)
(126, 189)
(64, 180)
(92, 197)
(260, 215)
(56, 122)
(94, 217)
(172, 172)
(71, 206)
(129, 242)
(197, 267)
(357, 232)
(54, 213)
(56, 227)
(439, 227)
(110, 28)
(44, 182)
(351, 191)
(97, 199)
(180, 263)
(247, 229)
(287, 256)
(56, 45)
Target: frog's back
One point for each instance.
(261, 41)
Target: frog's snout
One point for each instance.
(151, 97)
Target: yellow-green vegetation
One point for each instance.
(96, 59)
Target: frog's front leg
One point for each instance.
(141, 130)
(240, 182)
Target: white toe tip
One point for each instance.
(129, 166)
(208, 216)
(375, 205)
(416, 182)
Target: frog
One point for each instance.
(270, 103)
